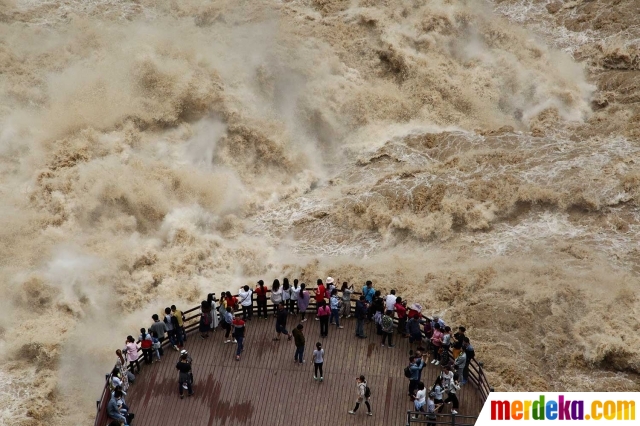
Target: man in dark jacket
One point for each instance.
(471, 353)
(299, 340)
(360, 314)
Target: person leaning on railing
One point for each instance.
(261, 298)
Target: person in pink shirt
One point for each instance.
(324, 311)
(131, 351)
(436, 342)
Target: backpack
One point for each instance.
(367, 392)
(174, 321)
(407, 372)
(387, 324)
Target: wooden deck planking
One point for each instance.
(267, 388)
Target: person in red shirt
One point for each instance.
(261, 297)
(401, 312)
(320, 294)
(231, 300)
(321, 291)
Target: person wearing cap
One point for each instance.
(299, 340)
(261, 298)
(437, 320)
(238, 332)
(431, 408)
(189, 360)
(330, 286)
(185, 377)
(246, 301)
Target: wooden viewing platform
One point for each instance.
(267, 388)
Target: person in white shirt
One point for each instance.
(390, 302)
(246, 301)
(420, 398)
(276, 295)
(363, 395)
(295, 293)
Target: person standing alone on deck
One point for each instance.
(299, 340)
(184, 377)
(363, 395)
(318, 361)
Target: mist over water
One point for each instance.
(479, 157)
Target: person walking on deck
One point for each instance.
(238, 333)
(318, 361)
(364, 393)
(281, 323)
(345, 309)
(360, 314)
(261, 299)
(299, 340)
(334, 302)
(227, 321)
(323, 314)
(303, 301)
(246, 301)
(184, 376)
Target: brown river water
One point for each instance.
(483, 158)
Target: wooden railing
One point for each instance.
(441, 419)
(192, 322)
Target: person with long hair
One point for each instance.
(303, 301)
(438, 390)
(318, 361)
(363, 396)
(295, 295)
(146, 344)
(204, 325)
(320, 293)
(131, 349)
(261, 299)
(324, 312)
(276, 296)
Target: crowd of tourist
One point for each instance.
(430, 340)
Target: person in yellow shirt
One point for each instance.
(180, 317)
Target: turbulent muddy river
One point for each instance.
(482, 158)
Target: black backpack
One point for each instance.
(407, 372)
(367, 392)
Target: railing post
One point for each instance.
(453, 419)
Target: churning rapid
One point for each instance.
(481, 158)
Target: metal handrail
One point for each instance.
(478, 378)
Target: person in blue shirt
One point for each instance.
(368, 291)
(415, 366)
(334, 303)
